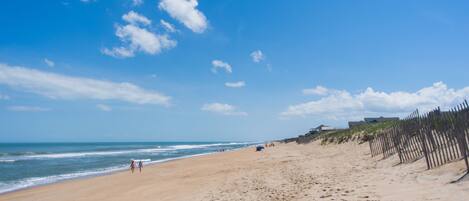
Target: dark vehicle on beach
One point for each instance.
(259, 148)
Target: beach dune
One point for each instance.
(284, 172)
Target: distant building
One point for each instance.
(371, 120)
(322, 128)
(355, 123)
(380, 119)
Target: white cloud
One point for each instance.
(139, 39)
(103, 107)
(222, 108)
(21, 108)
(238, 84)
(119, 52)
(168, 26)
(136, 19)
(221, 64)
(185, 11)
(257, 56)
(137, 2)
(57, 86)
(50, 63)
(343, 104)
(318, 90)
(136, 38)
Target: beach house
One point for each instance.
(371, 120)
(322, 128)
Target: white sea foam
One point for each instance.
(34, 181)
(199, 146)
(82, 154)
(143, 160)
(30, 156)
(7, 161)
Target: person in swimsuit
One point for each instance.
(140, 165)
(132, 166)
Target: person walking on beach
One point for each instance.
(140, 165)
(132, 166)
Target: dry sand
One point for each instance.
(285, 172)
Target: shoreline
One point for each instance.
(110, 171)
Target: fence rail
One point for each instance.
(438, 136)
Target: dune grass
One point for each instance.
(362, 132)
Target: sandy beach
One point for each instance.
(284, 172)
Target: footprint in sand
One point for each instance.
(325, 196)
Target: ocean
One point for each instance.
(25, 165)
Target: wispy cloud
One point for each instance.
(118, 52)
(318, 90)
(136, 19)
(57, 86)
(103, 107)
(223, 109)
(335, 103)
(168, 26)
(238, 84)
(186, 12)
(21, 108)
(221, 64)
(49, 62)
(137, 2)
(136, 38)
(257, 56)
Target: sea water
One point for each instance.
(24, 165)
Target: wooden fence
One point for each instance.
(439, 136)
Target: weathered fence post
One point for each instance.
(461, 134)
(423, 130)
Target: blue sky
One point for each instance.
(184, 70)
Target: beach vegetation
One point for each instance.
(361, 133)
